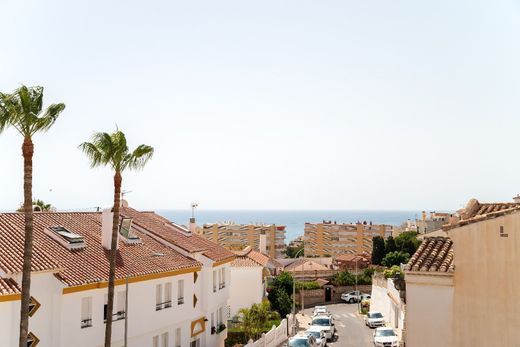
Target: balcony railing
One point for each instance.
(180, 301)
(214, 288)
(119, 315)
(163, 305)
(222, 285)
(221, 327)
(85, 323)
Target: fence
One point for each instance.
(272, 338)
(317, 296)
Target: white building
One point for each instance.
(179, 297)
(386, 298)
(247, 285)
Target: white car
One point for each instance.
(302, 340)
(320, 310)
(353, 297)
(325, 323)
(319, 335)
(374, 319)
(385, 337)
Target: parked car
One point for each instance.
(374, 319)
(302, 340)
(365, 297)
(353, 297)
(319, 335)
(325, 323)
(320, 310)
(385, 337)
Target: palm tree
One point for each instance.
(23, 111)
(112, 150)
(38, 205)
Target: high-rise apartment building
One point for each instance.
(266, 238)
(330, 238)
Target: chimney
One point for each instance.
(107, 218)
(193, 226)
(423, 216)
(263, 243)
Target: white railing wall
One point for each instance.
(272, 338)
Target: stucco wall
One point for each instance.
(246, 288)
(487, 282)
(429, 303)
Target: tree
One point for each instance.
(292, 252)
(42, 205)
(344, 278)
(407, 242)
(256, 319)
(112, 150)
(378, 250)
(283, 281)
(390, 245)
(22, 110)
(283, 303)
(395, 258)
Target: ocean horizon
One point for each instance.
(294, 220)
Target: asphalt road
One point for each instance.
(350, 327)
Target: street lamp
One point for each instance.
(294, 294)
(154, 254)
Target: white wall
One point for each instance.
(429, 305)
(246, 287)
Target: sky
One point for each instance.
(338, 105)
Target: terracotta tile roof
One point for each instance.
(9, 286)
(245, 261)
(87, 265)
(352, 257)
(258, 257)
(476, 211)
(305, 265)
(435, 254)
(174, 233)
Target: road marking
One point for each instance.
(345, 315)
(352, 315)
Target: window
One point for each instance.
(212, 323)
(155, 341)
(167, 295)
(86, 312)
(195, 343)
(178, 337)
(214, 281)
(164, 339)
(223, 277)
(158, 297)
(219, 279)
(180, 293)
(120, 308)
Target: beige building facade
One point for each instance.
(266, 238)
(332, 239)
(477, 303)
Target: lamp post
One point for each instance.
(294, 294)
(154, 254)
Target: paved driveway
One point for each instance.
(350, 327)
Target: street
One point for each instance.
(350, 327)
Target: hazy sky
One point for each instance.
(271, 104)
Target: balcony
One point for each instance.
(220, 328)
(163, 305)
(222, 286)
(86, 323)
(119, 315)
(180, 301)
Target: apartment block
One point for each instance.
(330, 238)
(266, 238)
(173, 298)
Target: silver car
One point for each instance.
(374, 319)
(319, 335)
(325, 324)
(302, 340)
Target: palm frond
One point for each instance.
(93, 154)
(139, 157)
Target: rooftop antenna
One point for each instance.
(124, 192)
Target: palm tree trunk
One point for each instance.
(112, 255)
(27, 151)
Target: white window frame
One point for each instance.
(180, 292)
(86, 312)
(167, 295)
(158, 297)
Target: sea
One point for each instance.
(294, 220)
